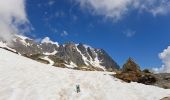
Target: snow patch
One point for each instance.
(22, 37)
(49, 60)
(83, 57)
(88, 46)
(2, 44)
(92, 62)
(52, 53)
(97, 63)
(71, 65)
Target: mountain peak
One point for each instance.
(80, 55)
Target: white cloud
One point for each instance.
(12, 16)
(116, 9)
(165, 57)
(64, 33)
(51, 2)
(155, 7)
(48, 40)
(159, 70)
(109, 8)
(129, 33)
(161, 10)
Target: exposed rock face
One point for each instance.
(131, 66)
(163, 80)
(26, 46)
(71, 55)
(106, 60)
(48, 47)
(131, 72)
(147, 78)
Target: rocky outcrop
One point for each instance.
(131, 73)
(131, 66)
(106, 60)
(163, 80)
(147, 78)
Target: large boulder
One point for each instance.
(147, 79)
(163, 80)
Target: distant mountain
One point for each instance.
(69, 55)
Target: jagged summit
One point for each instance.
(69, 54)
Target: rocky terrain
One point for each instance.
(131, 72)
(68, 55)
(163, 80)
(83, 57)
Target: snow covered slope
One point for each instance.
(24, 79)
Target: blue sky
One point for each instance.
(140, 31)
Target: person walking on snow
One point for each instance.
(77, 88)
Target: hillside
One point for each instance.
(25, 79)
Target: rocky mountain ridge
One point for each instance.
(69, 55)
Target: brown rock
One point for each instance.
(147, 79)
(165, 98)
(130, 66)
(163, 80)
(131, 72)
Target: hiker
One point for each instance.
(77, 88)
